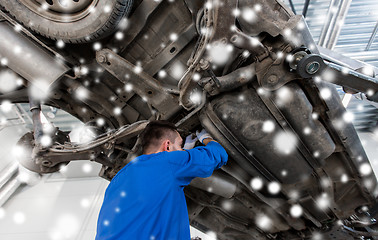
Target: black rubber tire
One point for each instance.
(96, 25)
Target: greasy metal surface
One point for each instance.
(241, 153)
(238, 78)
(143, 84)
(348, 136)
(264, 22)
(245, 120)
(138, 19)
(298, 112)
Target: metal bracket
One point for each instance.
(48, 160)
(352, 79)
(147, 87)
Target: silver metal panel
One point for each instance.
(27, 58)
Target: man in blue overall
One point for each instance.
(145, 200)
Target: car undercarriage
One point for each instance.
(249, 72)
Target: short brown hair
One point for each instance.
(155, 132)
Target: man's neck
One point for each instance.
(151, 152)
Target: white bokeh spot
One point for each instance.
(219, 53)
(196, 97)
(256, 183)
(19, 218)
(87, 168)
(227, 205)
(46, 141)
(274, 187)
(268, 126)
(39, 89)
(2, 213)
(177, 70)
(81, 93)
(248, 14)
(263, 222)
(307, 130)
(285, 142)
(82, 134)
(85, 203)
(296, 211)
(284, 96)
(162, 74)
(348, 117)
(6, 106)
(117, 111)
(97, 46)
(8, 81)
(365, 169)
(325, 93)
(65, 227)
(323, 201)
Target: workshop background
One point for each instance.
(65, 204)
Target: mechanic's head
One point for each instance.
(160, 136)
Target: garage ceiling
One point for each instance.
(357, 40)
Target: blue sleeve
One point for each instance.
(197, 162)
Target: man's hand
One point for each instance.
(190, 142)
(203, 135)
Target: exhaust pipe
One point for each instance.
(218, 183)
(28, 59)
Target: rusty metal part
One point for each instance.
(193, 112)
(138, 20)
(35, 109)
(225, 31)
(253, 44)
(231, 81)
(272, 72)
(186, 84)
(262, 21)
(148, 88)
(216, 30)
(298, 112)
(310, 65)
(297, 56)
(240, 153)
(351, 79)
(47, 160)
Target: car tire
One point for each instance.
(98, 20)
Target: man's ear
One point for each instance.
(167, 145)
